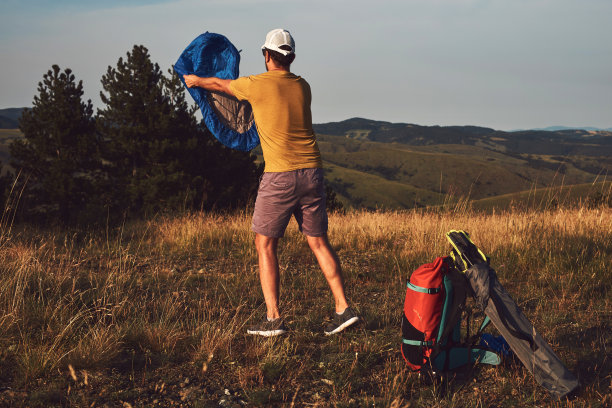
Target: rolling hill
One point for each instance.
(436, 163)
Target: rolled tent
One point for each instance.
(497, 304)
(533, 351)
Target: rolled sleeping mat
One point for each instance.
(533, 351)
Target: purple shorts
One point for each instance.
(300, 193)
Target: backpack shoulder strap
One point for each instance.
(457, 289)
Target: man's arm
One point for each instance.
(210, 84)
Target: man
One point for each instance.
(292, 183)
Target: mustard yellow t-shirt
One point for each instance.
(281, 107)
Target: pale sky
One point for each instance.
(505, 64)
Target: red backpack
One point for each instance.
(422, 312)
(431, 324)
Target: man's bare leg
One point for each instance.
(268, 273)
(330, 265)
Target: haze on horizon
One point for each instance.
(506, 65)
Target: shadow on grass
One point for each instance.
(593, 363)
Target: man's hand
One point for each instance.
(210, 84)
(191, 80)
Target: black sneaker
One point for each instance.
(342, 321)
(268, 328)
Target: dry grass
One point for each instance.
(154, 313)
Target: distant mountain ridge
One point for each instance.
(560, 142)
(557, 128)
(9, 118)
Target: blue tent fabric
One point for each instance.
(213, 55)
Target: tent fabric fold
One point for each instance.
(228, 119)
(533, 351)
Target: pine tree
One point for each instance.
(221, 178)
(135, 124)
(187, 148)
(58, 155)
(158, 157)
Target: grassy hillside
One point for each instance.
(435, 172)
(369, 190)
(589, 194)
(154, 313)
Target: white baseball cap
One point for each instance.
(277, 38)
